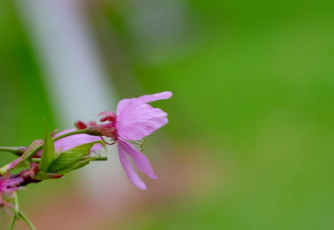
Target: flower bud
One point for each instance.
(80, 125)
(107, 130)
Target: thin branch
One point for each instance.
(28, 222)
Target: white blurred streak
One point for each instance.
(75, 79)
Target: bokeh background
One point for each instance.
(249, 144)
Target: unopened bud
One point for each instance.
(80, 125)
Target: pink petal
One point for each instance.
(140, 160)
(138, 120)
(122, 104)
(129, 170)
(75, 140)
(144, 99)
(14, 181)
(155, 97)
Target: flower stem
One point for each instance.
(18, 214)
(9, 166)
(12, 223)
(95, 159)
(80, 131)
(101, 159)
(16, 205)
(16, 211)
(16, 151)
(26, 219)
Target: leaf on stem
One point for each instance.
(72, 158)
(31, 149)
(45, 176)
(47, 154)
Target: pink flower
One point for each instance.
(134, 119)
(9, 185)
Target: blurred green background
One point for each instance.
(249, 144)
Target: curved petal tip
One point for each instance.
(155, 97)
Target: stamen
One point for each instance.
(138, 144)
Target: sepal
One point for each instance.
(45, 176)
(48, 154)
(72, 158)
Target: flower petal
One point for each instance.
(75, 140)
(128, 168)
(144, 99)
(138, 120)
(140, 160)
(155, 97)
(122, 104)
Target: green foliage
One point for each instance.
(23, 164)
(74, 166)
(72, 158)
(45, 176)
(32, 148)
(48, 154)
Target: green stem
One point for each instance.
(16, 211)
(15, 150)
(101, 159)
(80, 131)
(16, 204)
(28, 222)
(12, 223)
(20, 150)
(9, 166)
(18, 214)
(96, 159)
(84, 158)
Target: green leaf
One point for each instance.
(74, 166)
(58, 152)
(23, 164)
(47, 154)
(31, 149)
(70, 159)
(45, 176)
(83, 162)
